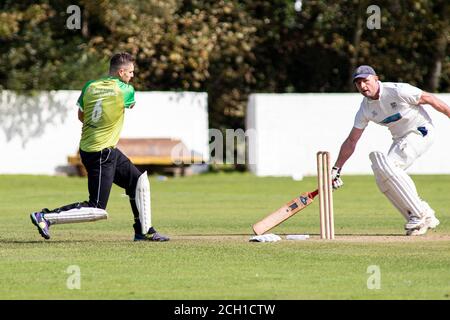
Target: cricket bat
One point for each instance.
(285, 212)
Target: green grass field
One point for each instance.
(209, 218)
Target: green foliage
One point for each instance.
(228, 48)
(39, 52)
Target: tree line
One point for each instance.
(228, 48)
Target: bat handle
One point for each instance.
(313, 194)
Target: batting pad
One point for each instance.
(143, 203)
(397, 186)
(83, 214)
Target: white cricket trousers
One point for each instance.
(404, 151)
(402, 154)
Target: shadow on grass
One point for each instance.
(63, 241)
(370, 235)
(224, 236)
(10, 241)
(285, 234)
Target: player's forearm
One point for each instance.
(436, 103)
(440, 106)
(80, 115)
(347, 149)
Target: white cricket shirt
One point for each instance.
(397, 108)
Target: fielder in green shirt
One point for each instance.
(102, 105)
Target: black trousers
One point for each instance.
(104, 168)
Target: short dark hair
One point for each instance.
(120, 59)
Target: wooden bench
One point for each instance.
(162, 155)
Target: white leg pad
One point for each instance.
(143, 203)
(397, 204)
(397, 186)
(84, 214)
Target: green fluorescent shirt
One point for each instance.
(103, 103)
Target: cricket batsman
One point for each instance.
(102, 105)
(399, 107)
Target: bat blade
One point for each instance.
(284, 213)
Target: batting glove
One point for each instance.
(336, 178)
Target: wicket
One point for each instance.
(325, 195)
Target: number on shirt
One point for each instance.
(97, 112)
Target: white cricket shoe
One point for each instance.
(418, 231)
(415, 223)
(431, 219)
(431, 222)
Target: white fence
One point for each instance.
(289, 129)
(38, 133)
